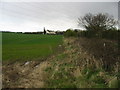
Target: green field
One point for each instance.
(28, 46)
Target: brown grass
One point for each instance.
(101, 49)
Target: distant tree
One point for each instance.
(70, 33)
(44, 31)
(97, 23)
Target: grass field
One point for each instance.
(28, 46)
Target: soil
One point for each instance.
(30, 74)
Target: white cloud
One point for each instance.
(27, 27)
(33, 16)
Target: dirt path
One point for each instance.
(29, 74)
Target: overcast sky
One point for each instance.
(33, 16)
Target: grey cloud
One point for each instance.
(53, 14)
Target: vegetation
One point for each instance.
(98, 22)
(100, 40)
(90, 58)
(112, 34)
(28, 46)
(70, 33)
(77, 68)
(97, 26)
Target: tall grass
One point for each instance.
(80, 65)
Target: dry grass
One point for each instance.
(78, 66)
(24, 75)
(101, 49)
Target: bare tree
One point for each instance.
(97, 22)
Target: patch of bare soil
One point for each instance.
(30, 74)
(27, 74)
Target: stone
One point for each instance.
(26, 63)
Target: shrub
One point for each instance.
(70, 33)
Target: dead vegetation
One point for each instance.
(76, 67)
(102, 49)
(28, 74)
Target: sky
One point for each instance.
(34, 16)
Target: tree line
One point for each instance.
(96, 25)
